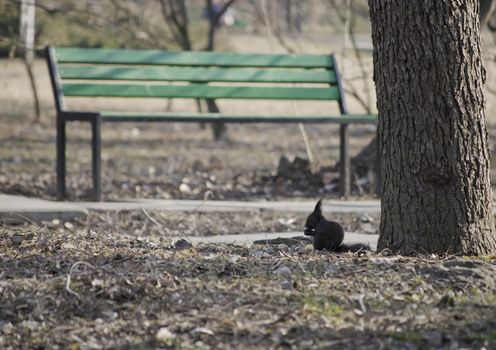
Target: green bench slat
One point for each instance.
(200, 91)
(189, 58)
(197, 74)
(213, 117)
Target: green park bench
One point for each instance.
(151, 73)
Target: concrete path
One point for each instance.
(349, 238)
(335, 206)
(18, 207)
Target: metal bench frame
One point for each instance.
(96, 118)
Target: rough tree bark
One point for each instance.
(365, 160)
(429, 79)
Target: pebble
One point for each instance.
(282, 270)
(287, 285)
(164, 335)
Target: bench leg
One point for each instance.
(96, 157)
(344, 159)
(60, 144)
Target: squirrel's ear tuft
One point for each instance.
(318, 206)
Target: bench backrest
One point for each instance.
(153, 73)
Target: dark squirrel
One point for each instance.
(327, 234)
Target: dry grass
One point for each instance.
(83, 288)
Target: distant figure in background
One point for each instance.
(227, 18)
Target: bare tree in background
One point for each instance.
(175, 14)
(27, 33)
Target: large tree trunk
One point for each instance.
(434, 148)
(365, 159)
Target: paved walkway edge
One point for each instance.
(335, 206)
(18, 208)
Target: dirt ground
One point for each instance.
(72, 286)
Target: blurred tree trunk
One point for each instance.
(175, 13)
(429, 79)
(214, 19)
(487, 8)
(27, 22)
(288, 4)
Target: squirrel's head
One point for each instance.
(313, 219)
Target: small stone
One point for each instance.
(282, 246)
(68, 246)
(31, 325)
(257, 253)
(97, 283)
(42, 244)
(287, 285)
(110, 315)
(282, 271)
(16, 240)
(164, 335)
(331, 269)
(185, 188)
(203, 330)
(8, 328)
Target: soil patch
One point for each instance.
(90, 288)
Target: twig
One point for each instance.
(150, 218)
(362, 304)
(68, 282)
(28, 219)
(306, 142)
